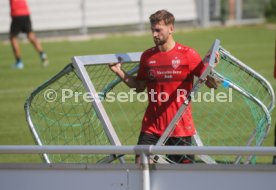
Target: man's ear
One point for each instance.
(171, 27)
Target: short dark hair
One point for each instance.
(160, 15)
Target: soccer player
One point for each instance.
(164, 69)
(21, 22)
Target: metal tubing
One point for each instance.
(147, 149)
(254, 74)
(145, 171)
(69, 68)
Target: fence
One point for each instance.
(134, 177)
(81, 15)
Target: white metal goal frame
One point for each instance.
(79, 63)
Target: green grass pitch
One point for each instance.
(254, 45)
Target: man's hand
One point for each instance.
(211, 82)
(207, 58)
(217, 59)
(115, 67)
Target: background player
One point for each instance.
(21, 22)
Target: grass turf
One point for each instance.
(254, 45)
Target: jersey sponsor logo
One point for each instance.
(175, 63)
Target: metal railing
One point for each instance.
(143, 150)
(138, 149)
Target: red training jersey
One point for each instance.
(19, 8)
(169, 76)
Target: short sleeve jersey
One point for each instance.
(19, 8)
(169, 77)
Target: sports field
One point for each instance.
(254, 45)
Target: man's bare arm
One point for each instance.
(129, 80)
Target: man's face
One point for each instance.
(161, 32)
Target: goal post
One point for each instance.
(87, 104)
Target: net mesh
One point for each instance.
(70, 122)
(232, 115)
(232, 69)
(67, 117)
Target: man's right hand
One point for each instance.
(115, 67)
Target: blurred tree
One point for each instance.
(224, 11)
(253, 8)
(270, 11)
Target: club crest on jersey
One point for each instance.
(175, 63)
